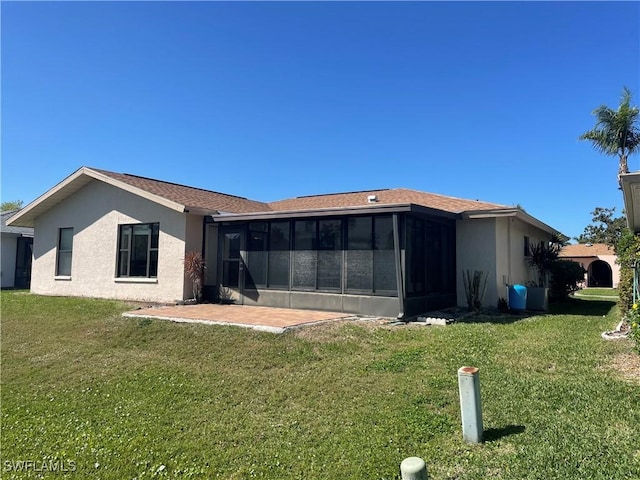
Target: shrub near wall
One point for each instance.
(633, 317)
(566, 276)
(628, 252)
(625, 289)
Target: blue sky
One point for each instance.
(272, 100)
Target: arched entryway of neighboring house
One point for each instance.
(599, 274)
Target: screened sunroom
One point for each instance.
(387, 260)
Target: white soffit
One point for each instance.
(631, 194)
(511, 212)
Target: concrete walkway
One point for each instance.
(268, 319)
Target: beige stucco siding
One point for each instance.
(505, 246)
(193, 243)
(95, 212)
(609, 259)
(476, 250)
(495, 246)
(615, 268)
(521, 273)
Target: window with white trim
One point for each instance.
(65, 250)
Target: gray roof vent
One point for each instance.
(372, 199)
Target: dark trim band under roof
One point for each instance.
(334, 212)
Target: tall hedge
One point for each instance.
(628, 252)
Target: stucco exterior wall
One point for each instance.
(615, 268)
(521, 273)
(609, 259)
(95, 212)
(496, 246)
(8, 250)
(476, 250)
(505, 256)
(193, 242)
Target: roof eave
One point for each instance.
(73, 183)
(387, 208)
(17, 231)
(630, 183)
(200, 211)
(315, 212)
(511, 212)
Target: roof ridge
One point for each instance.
(421, 192)
(448, 196)
(344, 193)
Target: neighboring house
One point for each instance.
(598, 259)
(16, 253)
(391, 252)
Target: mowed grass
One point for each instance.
(597, 292)
(136, 398)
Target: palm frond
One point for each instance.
(616, 131)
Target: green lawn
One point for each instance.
(130, 398)
(597, 292)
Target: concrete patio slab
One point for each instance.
(267, 319)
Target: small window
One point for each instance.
(138, 250)
(527, 246)
(65, 249)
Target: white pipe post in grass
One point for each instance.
(413, 468)
(470, 406)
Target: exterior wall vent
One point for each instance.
(372, 199)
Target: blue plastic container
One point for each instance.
(517, 297)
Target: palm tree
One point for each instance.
(616, 131)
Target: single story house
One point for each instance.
(16, 253)
(393, 252)
(598, 259)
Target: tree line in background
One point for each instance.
(10, 206)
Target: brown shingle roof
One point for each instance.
(4, 228)
(209, 200)
(198, 200)
(586, 250)
(390, 196)
(190, 196)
